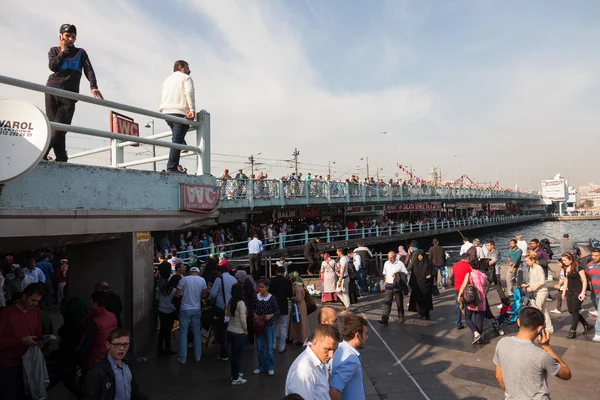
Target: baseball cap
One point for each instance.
(195, 269)
(68, 28)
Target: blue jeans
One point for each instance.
(596, 302)
(440, 270)
(265, 347)
(187, 317)
(362, 277)
(237, 340)
(458, 313)
(179, 131)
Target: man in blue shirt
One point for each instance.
(33, 271)
(48, 271)
(346, 368)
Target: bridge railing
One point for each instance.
(282, 241)
(246, 191)
(201, 125)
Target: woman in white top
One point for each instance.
(237, 330)
(328, 279)
(343, 279)
(537, 285)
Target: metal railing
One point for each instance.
(240, 249)
(120, 141)
(248, 192)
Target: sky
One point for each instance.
(505, 90)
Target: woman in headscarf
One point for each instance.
(328, 279)
(249, 286)
(299, 330)
(421, 282)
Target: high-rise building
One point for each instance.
(591, 192)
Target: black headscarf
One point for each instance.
(420, 270)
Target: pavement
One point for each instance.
(415, 360)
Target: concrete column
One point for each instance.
(126, 263)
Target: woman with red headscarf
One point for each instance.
(328, 279)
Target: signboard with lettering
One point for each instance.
(554, 189)
(142, 237)
(125, 125)
(24, 138)
(199, 197)
(408, 207)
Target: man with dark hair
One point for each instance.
(111, 378)
(221, 294)
(309, 375)
(98, 325)
(542, 256)
(178, 100)
(36, 273)
(46, 267)
(494, 255)
(459, 272)
(567, 245)
(346, 368)
(514, 259)
(113, 301)
(283, 289)
(164, 269)
(20, 328)
(312, 255)
(437, 256)
(67, 63)
(522, 368)
(255, 249)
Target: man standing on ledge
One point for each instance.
(66, 62)
(178, 100)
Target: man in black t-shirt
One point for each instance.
(163, 272)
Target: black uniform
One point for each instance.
(67, 67)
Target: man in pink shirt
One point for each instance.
(460, 270)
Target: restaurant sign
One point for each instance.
(408, 207)
(199, 197)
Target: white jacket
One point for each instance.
(178, 95)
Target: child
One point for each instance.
(284, 264)
(504, 312)
(560, 285)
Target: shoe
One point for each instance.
(222, 358)
(587, 328)
(180, 361)
(459, 327)
(555, 311)
(257, 371)
(500, 332)
(476, 339)
(271, 372)
(499, 306)
(190, 345)
(282, 350)
(596, 338)
(383, 322)
(571, 335)
(239, 381)
(550, 299)
(401, 320)
(594, 313)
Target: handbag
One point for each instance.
(296, 316)
(311, 305)
(471, 295)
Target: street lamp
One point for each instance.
(361, 159)
(330, 162)
(151, 123)
(397, 152)
(251, 159)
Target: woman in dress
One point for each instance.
(421, 283)
(328, 279)
(475, 313)
(574, 293)
(299, 330)
(537, 286)
(265, 310)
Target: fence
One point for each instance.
(284, 191)
(240, 249)
(120, 141)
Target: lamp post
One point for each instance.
(362, 159)
(330, 162)
(397, 152)
(251, 159)
(148, 125)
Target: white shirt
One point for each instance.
(389, 269)
(37, 275)
(344, 264)
(357, 260)
(465, 247)
(178, 95)
(521, 244)
(191, 291)
(255, 246)
(480, 252)
(308, 377)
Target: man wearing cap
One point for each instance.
(178, 100)
(67, 63)
(190, 289)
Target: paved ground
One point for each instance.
(440, 359)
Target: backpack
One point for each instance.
(471, 296)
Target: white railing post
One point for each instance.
(307, 191)
(420, 226)
(347, 189)
(116, 153)
(328, 236)
(411, 227)
(281, 240)
(376, 230)
(305, 237)
(389, 230)
(346, 232)
(363, 232)
(203, 142)
(281, 193)
(251, 192)
(401, 228)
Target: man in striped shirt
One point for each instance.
(593, 272)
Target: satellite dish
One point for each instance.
(24, 138)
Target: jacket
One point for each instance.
(35, 373)
(178, 96)
(94, 345)
(67, 69)
(99, 384)
(437, 256)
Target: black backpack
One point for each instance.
(471, 295)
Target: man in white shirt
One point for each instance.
(34, 272)
(360, 271)
(309, 374)
(466, 246)
(178, 100)
(255, 249)
(191, 289)
(392, 267)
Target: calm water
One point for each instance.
(579, 231)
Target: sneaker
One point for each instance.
(271, 372)
(239, 381)
(222, 358)
(555, 311)
(257, 371)
(594, 313)
(459, 327)
(549, 298)
(500, 332)
(499, 306)
(180, 361)
(383, 322)
(401, 320)
(282, 350)
(596, 338)
(476, 339)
